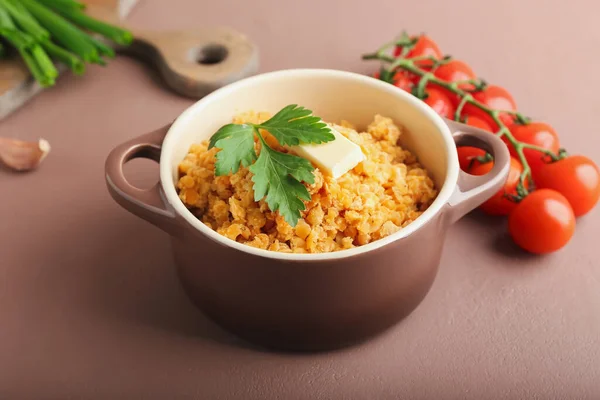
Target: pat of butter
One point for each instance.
(334, 158)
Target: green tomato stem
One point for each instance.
(461, 105)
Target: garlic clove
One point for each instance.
(23, 156)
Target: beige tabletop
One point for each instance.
(90, 307)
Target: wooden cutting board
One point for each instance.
(193, 63)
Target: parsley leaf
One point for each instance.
(294, 125)
(237, 146)
(276, 176)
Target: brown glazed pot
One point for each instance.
(309, 301)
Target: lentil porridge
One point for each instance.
(381, 195)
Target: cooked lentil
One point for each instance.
(380, 196)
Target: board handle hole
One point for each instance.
(212, 54)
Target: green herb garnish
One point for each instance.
(278, 176)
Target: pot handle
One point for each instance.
(148, 204)
(471, 190)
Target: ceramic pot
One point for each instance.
(309, 301)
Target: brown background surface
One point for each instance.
(90, 307)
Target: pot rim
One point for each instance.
(437, 206)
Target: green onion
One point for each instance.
(44, 61)
(20, 40)
(34, 56)
(102, 48)
(64, 56)
(35, 69)
(63, 31)
(9, 31)
(6, 22)
(116, 34)
(43, 30)
(68, 4)
(24, 19)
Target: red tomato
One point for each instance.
(467, 154)
(542, 222)
(440, 103)
(494, 97)
(467, 157)
(412, 77)
(481, 169)
(478, 123)
(403, 81)
(425, 46)
(500, 203)
(538, 134)
(453, 71)
(575, 177)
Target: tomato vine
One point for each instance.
(424, 67)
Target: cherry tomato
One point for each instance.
(494, 97)
(500, 203)
(542, 222)
(403, 81)
(453, 71)
(440, 103)
(467, 157)
(478, 123)
(575, 177)
(497, 98)
(425, 46)
(412, 77)
(467, 154)
(481, 169)
(536, 133)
